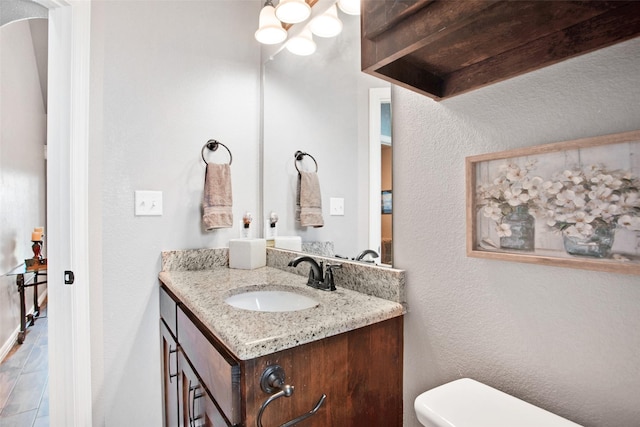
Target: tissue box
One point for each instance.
(247, 254)
(292, 243)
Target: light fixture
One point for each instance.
(293, 11)
(350, 7)
(302, 44)
(328, 24)
(270, 30)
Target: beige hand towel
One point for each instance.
(218, 199)
(309, 200)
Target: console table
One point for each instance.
(26, 278)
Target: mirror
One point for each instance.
(381, 179)
(319, 104)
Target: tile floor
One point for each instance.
(24, 391)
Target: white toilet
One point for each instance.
(469, 403)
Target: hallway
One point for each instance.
(24, 391)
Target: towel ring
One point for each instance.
(213, 145)
(299, 155)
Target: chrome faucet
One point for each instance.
(366, 252)
(318, 278)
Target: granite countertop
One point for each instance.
(250, 334)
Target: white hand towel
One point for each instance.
(218, 199)
(309, 200)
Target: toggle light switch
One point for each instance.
(336, 206)
(148, 203)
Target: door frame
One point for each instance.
(376, 97)
(70, 393)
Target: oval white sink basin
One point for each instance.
(273, 301)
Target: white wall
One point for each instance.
(22, 165)
(166, 76)
(319, 104)
(563, 339)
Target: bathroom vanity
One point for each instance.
(348, 348)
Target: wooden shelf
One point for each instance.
(443, 48)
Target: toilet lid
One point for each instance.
(469, 403)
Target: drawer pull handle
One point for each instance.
(272, 379)
(172, 376)
(191, 404)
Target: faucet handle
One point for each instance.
(329, 275)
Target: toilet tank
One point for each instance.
(469, 403)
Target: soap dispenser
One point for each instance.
(246, 223)
(271, 229)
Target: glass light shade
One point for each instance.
(328, 24)
(350, 7)
(302, 44)
(270, 30)
(292, 11)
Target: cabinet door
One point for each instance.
(197, 407)
(218, 370)
(170, 377)
(359, 371)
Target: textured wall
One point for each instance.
(22, 165)
(17, 10)
(166, 76)
(563, 339)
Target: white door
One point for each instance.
(67, 203)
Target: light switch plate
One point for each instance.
(148, 203)
(336, 206)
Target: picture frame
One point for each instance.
(578, 199)
(386, 202)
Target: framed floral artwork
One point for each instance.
(570, 204)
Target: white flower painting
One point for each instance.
(572, 189)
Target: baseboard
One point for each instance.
(8, 345)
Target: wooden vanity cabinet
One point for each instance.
(201, 380)
(360, 372)
(442, 48)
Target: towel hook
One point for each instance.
(213, 145)
(299, 156)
